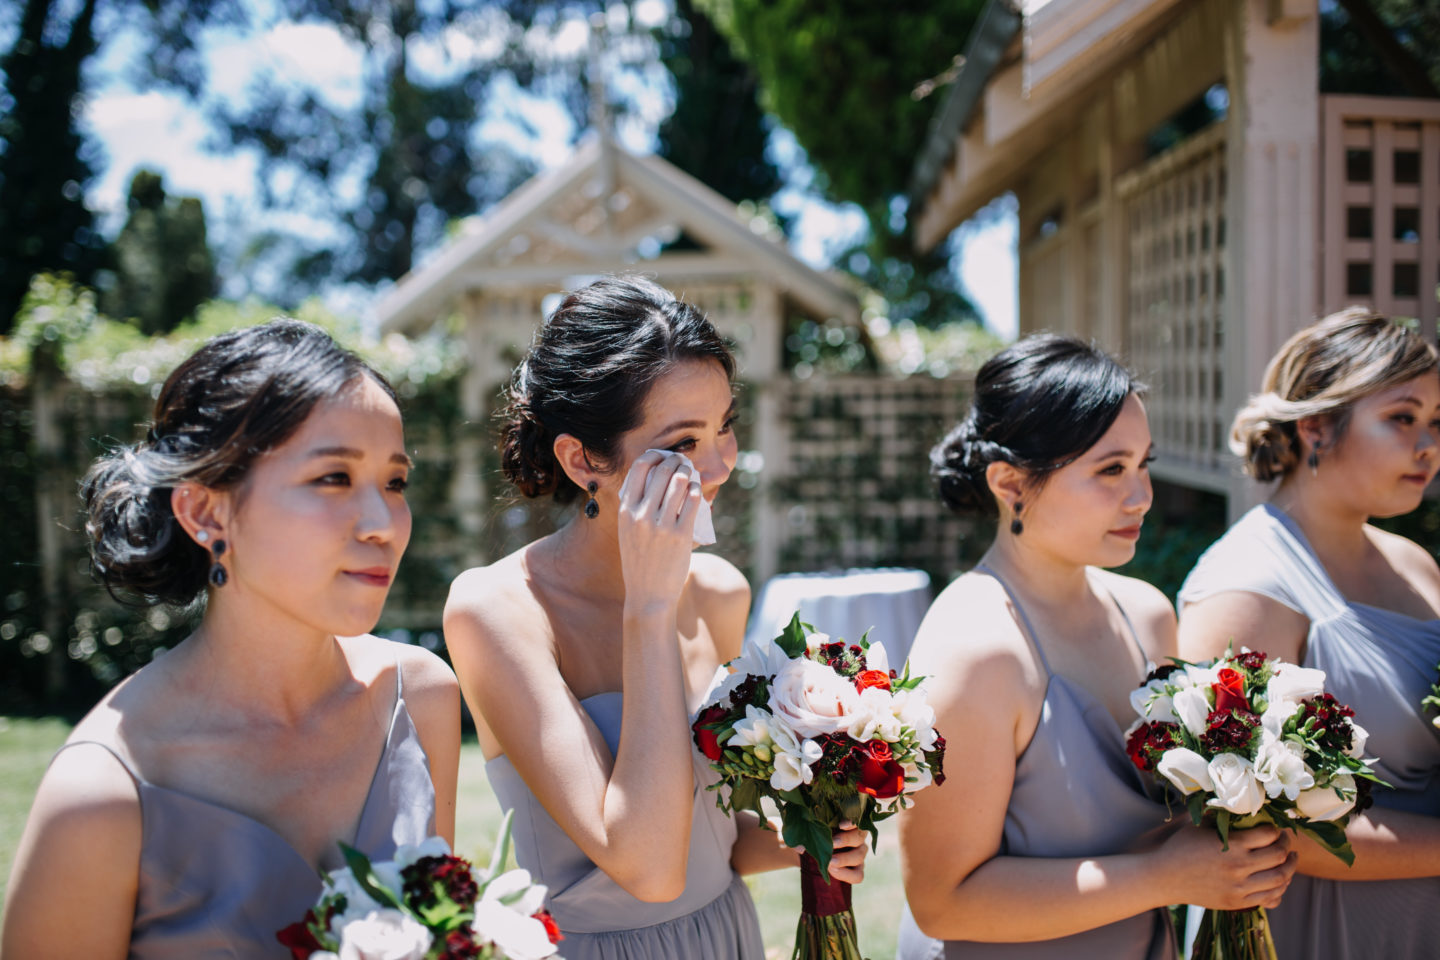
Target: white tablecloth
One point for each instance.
(888, 602)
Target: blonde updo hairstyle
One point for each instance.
(1322, 371)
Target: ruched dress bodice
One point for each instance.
(713, 918)
(215, 884)
(1380, 663)
(1075, 794)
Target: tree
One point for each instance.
(163, 267)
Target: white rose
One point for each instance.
(1291, 682)
(1236, 788)
(384, 935)
(324, 955)
(1324, 803)
(1280, 767)
(1357, 740)
(1193, 709)
(1186, 769)
(875, 716)
(518, 936)
(811, 699)
(1153, 702)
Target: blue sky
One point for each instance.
(163, 131)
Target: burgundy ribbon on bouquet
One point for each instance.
(818, 898)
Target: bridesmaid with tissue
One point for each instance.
(584, 654)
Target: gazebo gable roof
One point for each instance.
(603, 211)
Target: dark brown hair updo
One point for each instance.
(588, 372)
(1321, 372)
(240, 395)
(1038, 404)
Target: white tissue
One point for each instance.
(704, 534)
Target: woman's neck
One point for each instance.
(1041, 576)
(1334, 526)
(582, 557)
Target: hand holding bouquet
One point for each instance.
(828, 732)
(425, 905)
(1248, 740)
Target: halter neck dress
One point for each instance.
(1076, 794)
(713, 918)
(1380, 663)
(216, 884)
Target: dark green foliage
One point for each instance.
(163, 267)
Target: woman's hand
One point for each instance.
(658, 502)
(847, 863)
(1253, 872)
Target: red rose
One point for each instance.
(880, 775)
(872, 678)
(1230, 691)
(299, 938)
(705, 737)
(552, 929)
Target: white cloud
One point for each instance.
(987, 251)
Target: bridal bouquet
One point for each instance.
(1249, 740)
(425, 905)
(828, 732)
(1433, 701)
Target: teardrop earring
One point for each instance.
(218, 576)
(1016, 527)
(1313, 461)
(592, 508)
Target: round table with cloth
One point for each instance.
(889, 602)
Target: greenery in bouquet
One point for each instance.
(826, 731)
(425, 905)
(1432, 702)
(1248, 740)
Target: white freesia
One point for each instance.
(792, 760)
(922, 777)
(384, 935)
(324, 955)
(1323, 803)
(1275, 715)
(875, 716)
(1153, 702)
(1292, 682)
(810, 698)
(754, 732)
(1186, 769)
(1197, 676)
(514, 889)
(1236, 788)
(1357, 740)
(358, 903)
(518, 936)
(1193, 708)
(1280, 768)
(914, 710)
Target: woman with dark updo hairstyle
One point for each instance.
(192, 812)
(1051, 844)
(1346, 427)
(584, 654)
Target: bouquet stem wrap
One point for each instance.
(826, 930)
(1234, 935)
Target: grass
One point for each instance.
(26, 746)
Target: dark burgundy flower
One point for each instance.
(1230, 691)
(299, 937)
(552, 929)
(459, 945)
(1161, 672)
(705, 737)
(1229, 730)
(1251, 659)
(880, 775)
(1332, 721)
(449, 874)
(936, 759)
(1148, 743)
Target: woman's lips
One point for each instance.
(1127, 533)
(371, 576)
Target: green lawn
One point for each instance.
(26, 746)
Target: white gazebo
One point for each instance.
(609, 211)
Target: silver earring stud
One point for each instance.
(202, 535)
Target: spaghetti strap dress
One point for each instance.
(1076, 794)
(713, 918)
(1380, 663)
(215, 884)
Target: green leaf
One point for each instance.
(1222, 823)
(792, 639)
(1329, 835)
(359, 865)
(501, 852)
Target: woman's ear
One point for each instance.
(570, 454)
(1007, 483)
(202, 513)
(1316, 433)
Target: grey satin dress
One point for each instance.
(216, 884)
(1076, 794)
(713, 919)
(1380, 663)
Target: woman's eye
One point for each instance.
(337, 479)
(1114, 470)
(687, 444)
(400, 484)
(1145, 464)
(727, 426)
(1405, 418)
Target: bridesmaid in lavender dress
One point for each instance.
(1045, 841)
(1348, 422)
(582, 655)
(192, 811)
